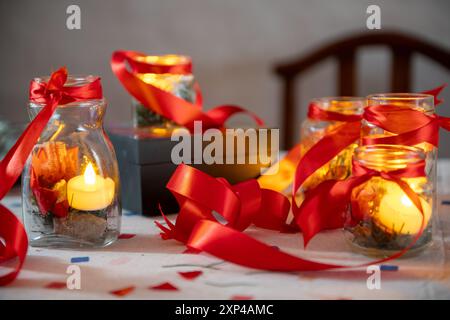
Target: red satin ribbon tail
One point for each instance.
(234, 246)
(165, 103)
(323, 207)
(16, 243)
(324, 151)
(221, 114)
(444, 123)
(435, 93)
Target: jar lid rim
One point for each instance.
(339, 98)
(341, 104)
(399, 95)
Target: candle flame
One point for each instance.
(89, 175)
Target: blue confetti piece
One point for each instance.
(388, 267)
(79, 259)
(130, 213)
(446, 202)
(16, 204)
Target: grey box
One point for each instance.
(145, 168)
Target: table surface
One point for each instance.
(144, 262)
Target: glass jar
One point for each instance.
(417, 101)
(180, 85)
(314, 130)
(381, 219)
(70, 184)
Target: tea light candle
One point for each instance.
(90, 192)
(398, 214)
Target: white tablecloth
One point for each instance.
(145, 261)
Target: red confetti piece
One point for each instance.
(56, 285)
(191, 251)
(164, 286)
(240, 297)
(190, 275)
(123, 292)
(126, 235)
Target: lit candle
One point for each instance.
(89, 192)
(398, 214)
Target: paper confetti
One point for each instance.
(79, 259)
(120, 261)
(56, 285)
(123, 292)
(190, 275)
(16, 204)
(241, 297)
(126, 235)
(388, 267)
(164, 286)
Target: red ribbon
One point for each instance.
(51, 94)
(435, 93)
(204, 233)
(165, 103)
(316, 214)
(329, 146)
(241, 205)
(410, 126)
(199, 195)
(326, 148)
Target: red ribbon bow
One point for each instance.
(240, 205)
(51, 93)
(165, 103)
(316, 212)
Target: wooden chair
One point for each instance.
(344, 51)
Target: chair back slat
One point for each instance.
(401, 69)
(403, 48)
(346, 73)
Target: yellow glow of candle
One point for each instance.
(89, 192)
(164, 81)
(397, 213)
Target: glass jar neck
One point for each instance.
(88, 114)
(416, 101)
(343, 105)
(387, 157)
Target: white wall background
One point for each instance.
(234, 44)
